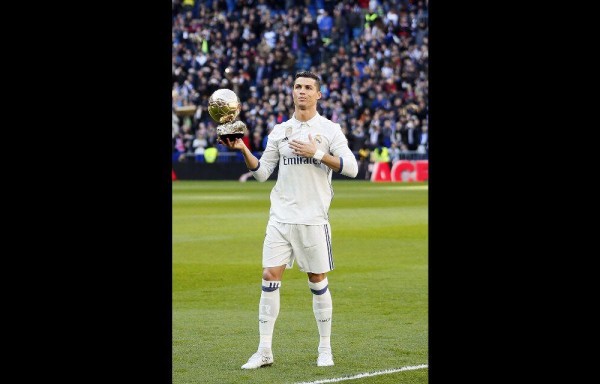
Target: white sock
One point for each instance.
(323, 309)
(268, 310)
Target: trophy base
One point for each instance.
(231, 136)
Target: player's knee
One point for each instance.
(271, 274)
(267, 275)
(316, 277)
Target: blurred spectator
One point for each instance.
(210, 154)
(364, 157)
(424, 143)
(325, 23)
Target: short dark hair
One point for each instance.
(311, 75)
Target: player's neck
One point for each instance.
(304, 115)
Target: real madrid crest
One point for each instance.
(318, 139)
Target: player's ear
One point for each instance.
(319, 94)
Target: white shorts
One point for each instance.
(310, 245)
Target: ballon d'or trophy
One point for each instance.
(224, 106)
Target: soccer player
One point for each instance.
(308, 148)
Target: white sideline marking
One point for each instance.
(367, 374)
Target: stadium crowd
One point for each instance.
(372, 56)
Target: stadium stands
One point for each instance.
(372, 57)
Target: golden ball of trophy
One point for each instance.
(224, 106)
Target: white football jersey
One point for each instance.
(303, 191)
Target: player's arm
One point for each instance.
(268, 160)
(249, 158)
(340, 150)
(261, 169)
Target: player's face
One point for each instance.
(306, 93)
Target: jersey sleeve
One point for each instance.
(268, 161)
(339, 147)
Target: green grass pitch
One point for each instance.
(379, 286)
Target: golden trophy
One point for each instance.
(224, 106)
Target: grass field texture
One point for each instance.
(379, 286)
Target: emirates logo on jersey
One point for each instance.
(298, 160)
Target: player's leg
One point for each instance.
(314, 256)
(323, 310)
(268, 308)
(277, 254)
